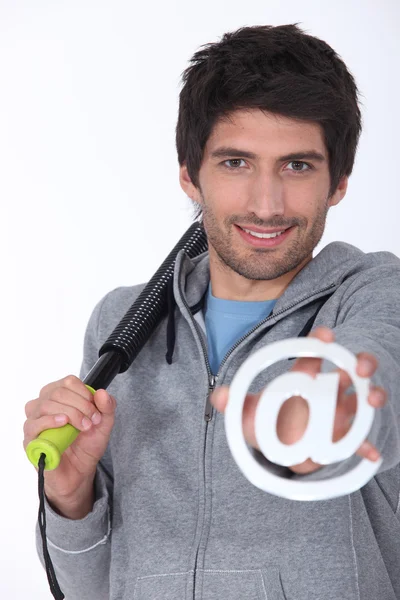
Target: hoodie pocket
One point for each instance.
(165, 586)
(255, 584)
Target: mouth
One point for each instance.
(259, 239)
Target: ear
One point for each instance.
(187, 185)
(340, 191)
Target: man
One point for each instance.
(148, 502)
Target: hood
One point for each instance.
(335, 263)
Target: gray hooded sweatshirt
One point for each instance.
(175, 518)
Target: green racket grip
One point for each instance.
(52, 443)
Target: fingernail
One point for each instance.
(96, 418)
(86, 423)
(378, 396)
(60, 419)
(216, 395)
(374, 454)
(366, 366)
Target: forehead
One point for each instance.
(264, 132)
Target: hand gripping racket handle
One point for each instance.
(123, 345)
(52, 443)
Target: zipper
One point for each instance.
(211, 387)
(212, 379)
(204, 475)
(208, 413)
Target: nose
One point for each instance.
(266, 197)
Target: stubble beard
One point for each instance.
(262, 263)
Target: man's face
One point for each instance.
(245, 182)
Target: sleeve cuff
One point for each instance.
(81, 535)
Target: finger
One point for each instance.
(377, 397)
(104, 402)
(81, 415)
(368, 450)
(30, 407)
(345, 381)
(219, 398)
(366, 364)
(70, 382)
(310, 365)
(347, 408)
(344, 417)
(345, 402)
(248, 419)
(66, 397)
(32, 427)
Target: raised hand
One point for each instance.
(293, 416)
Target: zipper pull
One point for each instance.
(209, 407)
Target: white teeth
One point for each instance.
(263, 235)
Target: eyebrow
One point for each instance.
(225, 151)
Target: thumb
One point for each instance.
(104, 402)
(219, 398)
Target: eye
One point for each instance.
(233, 160)
(300, 162)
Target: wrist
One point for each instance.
(74, 506)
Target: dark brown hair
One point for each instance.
(279, 69)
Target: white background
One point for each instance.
(90, 198)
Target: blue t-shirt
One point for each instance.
(227, 321)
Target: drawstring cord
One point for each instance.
(171, 322)
(51, 576)
(171, 333)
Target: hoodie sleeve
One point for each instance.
(80, 549)
(369, 321)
